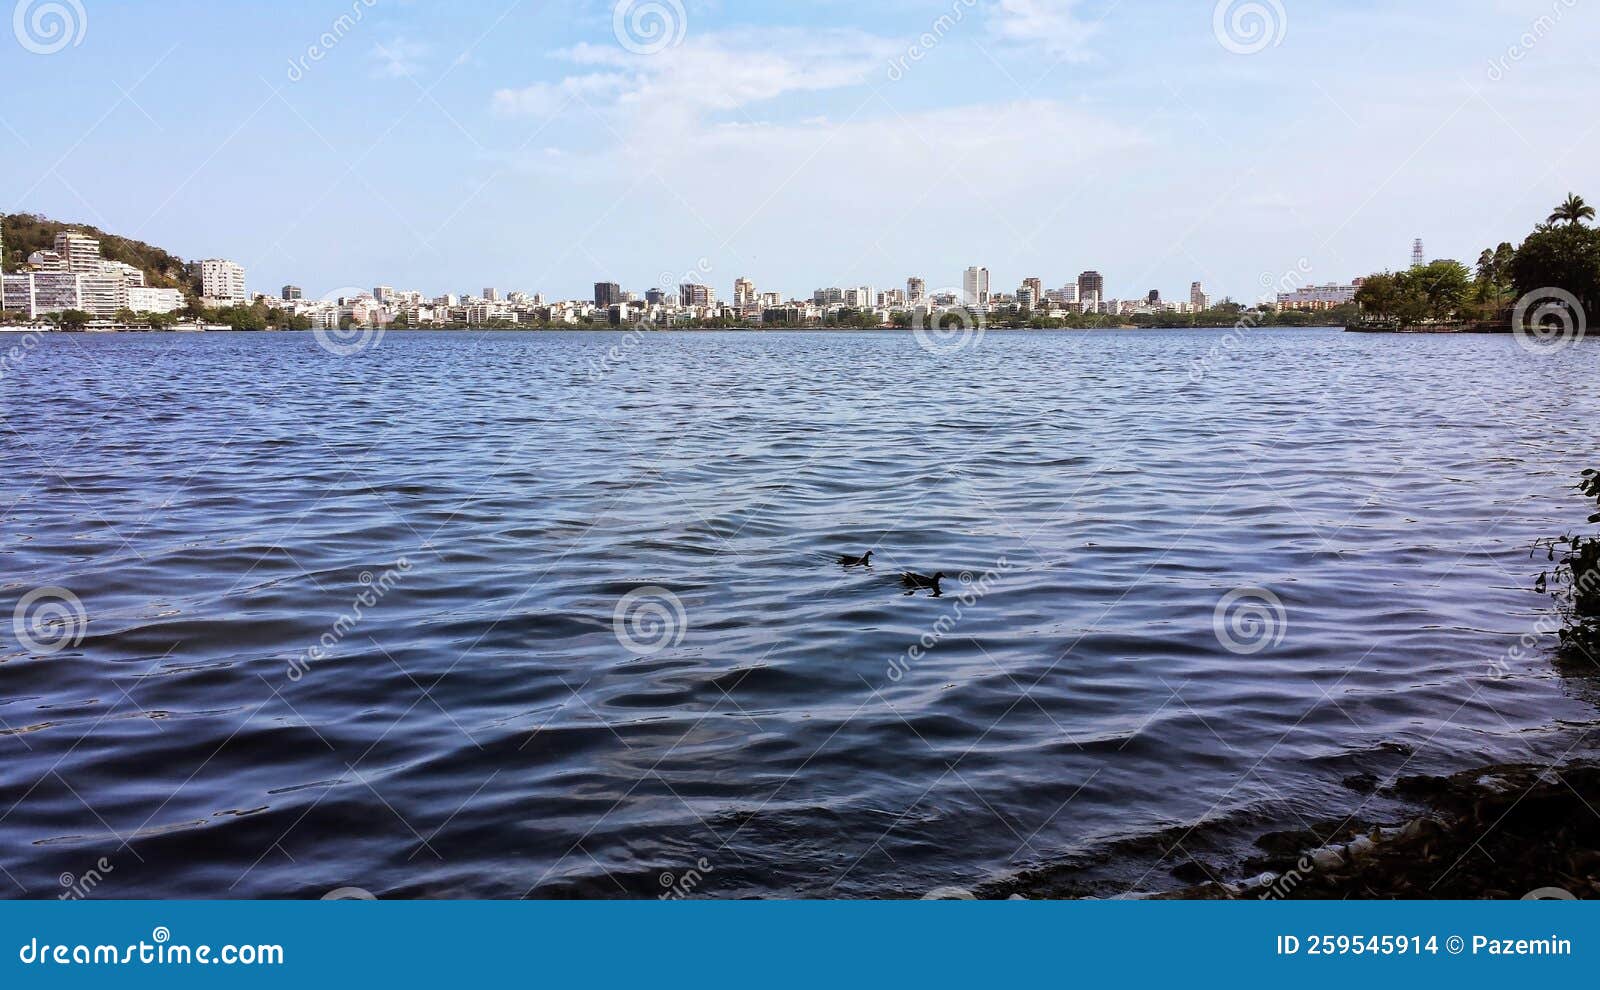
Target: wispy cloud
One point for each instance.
(398, 57)
(712, 73)
(1053, 26)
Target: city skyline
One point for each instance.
(73, 275)
(333, 146)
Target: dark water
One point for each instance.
(217, 503)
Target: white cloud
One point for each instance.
(1051, 25)
(711, 73)
(547, 99)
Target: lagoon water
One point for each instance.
(352, 622)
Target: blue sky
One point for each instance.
(537, 146)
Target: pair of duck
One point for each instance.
(910, 579)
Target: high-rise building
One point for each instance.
(694, 294)
(744, 292)
(1091, 283)
(916, 290)
(607, 294)
(655, 297)
(828, 297)
(78, 251)
(491, 294)
(1418, 256)
(292, 293)
(975, 288)
(1198, 298)
(1153, 297)
(1037, 285)
(221, 280)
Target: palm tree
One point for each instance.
(1573, 211)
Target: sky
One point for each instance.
(544, 145)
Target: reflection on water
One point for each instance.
(484, 616)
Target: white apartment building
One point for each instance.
(1319, 297)
(78, 252)
(142, 299)
(222, 281)
(975, 288)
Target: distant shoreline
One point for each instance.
(108, 331)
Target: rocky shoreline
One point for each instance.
(1515, 831)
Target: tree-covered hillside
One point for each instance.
(26, 233)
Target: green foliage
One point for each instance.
(75, 319)
(1436, 292)
(1565, 257)
(1573, 211)
(1574, 583)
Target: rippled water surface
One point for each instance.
(237, 721)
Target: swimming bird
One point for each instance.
(865, 560)
(914, 581)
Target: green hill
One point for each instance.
(26, 233)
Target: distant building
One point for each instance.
(744, 293)
(491, 294)
(607, 294)
(1198, 298)
(1036, 284)
(293, 293)
(694, 294)
(221, 280)
(655, 297)
(1153, 297)
(1091, 283)
(828, 297)
(859, 297)
(916, 290)
(1319, 297)
(975, 288)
